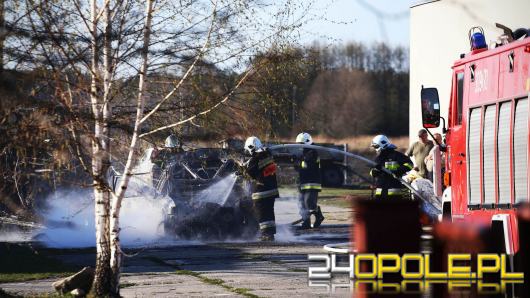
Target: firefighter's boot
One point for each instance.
(319, 217)
(306, 224)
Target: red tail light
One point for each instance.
(527, 48)
(447, 179)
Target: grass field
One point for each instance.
(329, 193)
(341, 197)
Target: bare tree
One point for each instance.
(340, 104)
(90, 58)
(2, 33)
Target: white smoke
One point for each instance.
(14, 236)
(69, 214)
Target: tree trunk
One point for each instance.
(115, 260)
(102, 194)
(100, 164)
(3, 33)
(103, 275)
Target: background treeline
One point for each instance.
(341, 91)
(337, 92)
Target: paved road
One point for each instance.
(250, 269)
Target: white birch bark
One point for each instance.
(115, 261)
(100, 162)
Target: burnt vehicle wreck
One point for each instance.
(211, 199)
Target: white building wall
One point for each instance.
(439, 34)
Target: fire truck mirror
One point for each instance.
(430, 107)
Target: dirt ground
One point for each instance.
(233, 269)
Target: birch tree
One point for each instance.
(89, 57)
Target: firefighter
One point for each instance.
(394, 161)
(310, 183)
(162, 157)
(165, 164)
(172, 142)
(261, 168)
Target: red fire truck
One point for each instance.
(487, 137)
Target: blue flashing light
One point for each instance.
(478, 41)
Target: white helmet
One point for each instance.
(380, 142)
(304, 138)
(172, 142)
(252, 144)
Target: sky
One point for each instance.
(360, 20)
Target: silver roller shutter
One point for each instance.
(503, 152)
(473, 156)
(488, 154)
(520, 149)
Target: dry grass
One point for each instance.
(362, 143)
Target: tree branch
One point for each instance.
(201, 53)
(241, 81)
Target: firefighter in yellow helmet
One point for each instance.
(310, 183)
(394, 161)
(262, 170)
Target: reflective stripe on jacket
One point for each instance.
(391, 191)
(273, 193)
(308, 186)
(267, 224)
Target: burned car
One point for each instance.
(211, 199)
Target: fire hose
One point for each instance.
(371, 163)
(343, 248)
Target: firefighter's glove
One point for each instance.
(242, 172)
(376, 171)
(245, 163)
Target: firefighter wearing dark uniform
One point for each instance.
(394, 161)
(164, 156)
(262, 170)
(310, 183)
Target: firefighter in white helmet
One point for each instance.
(309, 183)
(165, 163)
(262, 170)
(167, 154)
(172, 141)
(394, 161)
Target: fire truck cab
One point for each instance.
(487, 137)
